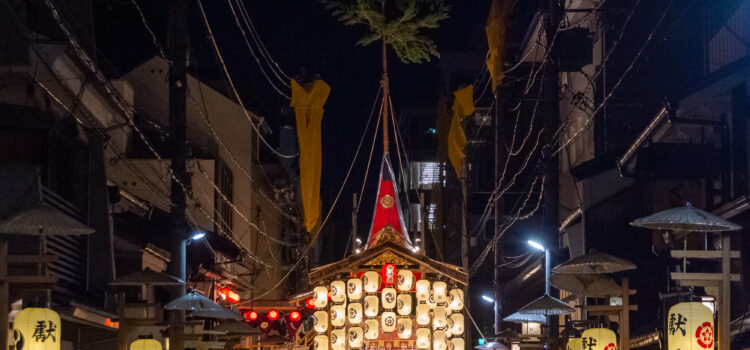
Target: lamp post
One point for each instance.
(547, 262)
(178, 317)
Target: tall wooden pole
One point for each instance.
(386, 88)
(4, 295)
(725, 291)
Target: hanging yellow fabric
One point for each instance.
(308, 104)
(463, 105)
(495, 29)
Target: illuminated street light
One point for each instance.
(488, 299)
(536, 245)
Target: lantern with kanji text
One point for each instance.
(145, 344)
(598, 339)
(37, 329)
(690, 326)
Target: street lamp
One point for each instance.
(488, 299)
(178, 317)
(547, 262)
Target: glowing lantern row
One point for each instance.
(338, 291)
(371, 281)
(457, 344)
(356, 337)
(388, 298)
(403, 304)
(338, 339)
(405, 280)
(423, 315)
(439, 340)
(404, 328)
(574, 344)
(371, 306)
(598, 339)
(354, 313)
(354, 288)
(338, 315)
(439, 316)
(370, 328)
(423, 290)
(320, 297)
(457, 326)
(423, 338)
(320, 321)
(321, 342)
(145, 344)
(440, 292)
(456, 297)
(39, 328)
(690, 326)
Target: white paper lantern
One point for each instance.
(388, 321)
(439, 340)
(338, 291)
(423, 315)
(423, 290)
(431, 302)
(404, 326)
(354, 313)
(457, 327)
(448, 328)
(405, 280)
(440, 291)
(320, 321)
(690, 325)
(338, 315)
(356, 337)
(371, 281)
(354, 288)
(439, 317)
(321, 297)
(459, 344)
(338, 339)
(371, 306)
(388, 298)
(423, 339)
(456, 299)
(403, 304)
(321, 342)
(371, 329)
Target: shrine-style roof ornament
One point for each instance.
(388, 221)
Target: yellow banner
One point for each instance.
(463, 105)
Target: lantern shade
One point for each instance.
(388, 298)
(690, 326)
(439, 340)
(574, 344)
(338, 339)
(354, 288)
(338, 315)
(440, 292)
(371, 329)
(321, 297)
(405, 280)
(423, 315)
(458, 344)
(456, 299)
(40, 328)
(403, 304)
(145, 344)
(423, 338)
(457, 327)
(404, 326)
(354, 313)
(356, 337)
(320, 323)
(320, 342)
(338, 291)
(371, 306)
(371, 281)
(439, 316)
(388, 321)
(423, 290)
(599, 339)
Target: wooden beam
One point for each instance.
(698, 276)
(725, 299)
(699, 283)
(597, 308)
(31, 279)
(703, 254)
(625, 316)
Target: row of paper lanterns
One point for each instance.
(437, 340)
(453, 324)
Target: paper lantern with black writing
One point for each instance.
(388, 321)
(457, 344)
(599, 339)
(354, 288)
(320, 342)
(423, 290)
(144, 344)
(388, 298)
(439, 317)
(38, 329)
(690, 326)
(439, 340)
(440, 292)
(371, 329)
(371, 306)
(356, 337)
(338, 291)
(405, 280)
(371, 281)
(403, 304)
(404, 326)
(320, 321)
(321, 297)
(338, 339)
(354, 313)
(574, 344)
(423, 315)
(338, 315)
(423, 339)
(456, 299)
(457, 327)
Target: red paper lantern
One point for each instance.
(310, 303)
(251, 315)
(388, 274)
(229, 295)
(295, 316)
(273, 315)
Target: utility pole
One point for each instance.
(177, 46)
(499, 161)
(551, 162)
(386, 88)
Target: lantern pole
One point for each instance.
(386, 88)
(3, 295)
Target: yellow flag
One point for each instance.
(463, 105)
(495, 29)
(308, 102)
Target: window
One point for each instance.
(425, 175)
(222, 209)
